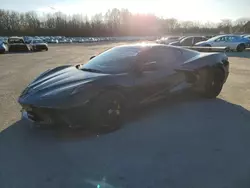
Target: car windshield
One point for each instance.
(114, 60)
(15, 40)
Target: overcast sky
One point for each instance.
(203, 10)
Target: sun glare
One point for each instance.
(180, 9)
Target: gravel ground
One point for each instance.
(182, 143)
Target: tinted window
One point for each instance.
(232, 38)
(15, 40)
(198, 39)
(220, 39)
(114, 60)
(188, 54)
(187, 41)
(162, 56)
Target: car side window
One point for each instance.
(218, 39)
(198, 39)
(160, 58)
(221, 39)
(227, 39)
(230, 38)
(187, 41)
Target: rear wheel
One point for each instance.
(108, 111)
(240, 47)
(214, 83)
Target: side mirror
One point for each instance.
(91, 57)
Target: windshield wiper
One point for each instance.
(91, 70)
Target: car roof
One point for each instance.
(228, 35)
(151, 45)
(218, 36)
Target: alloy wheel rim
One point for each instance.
(113, 112)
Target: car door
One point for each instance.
(157, 73)
(232, 42)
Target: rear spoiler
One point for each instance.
(206, 49)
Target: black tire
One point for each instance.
(46, 49)
(108, 111)
(214, 83)
(227, 49)
(241, 48)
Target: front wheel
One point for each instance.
(214, 83)
(108, 111)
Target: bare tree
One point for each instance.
(114, 22)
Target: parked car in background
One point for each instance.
(247, 36)
(188, 41)
(168, 40)
(3, 47)
(209, 36)
(17, 44)
(38, 45)
(232, 42)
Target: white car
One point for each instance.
(232, 42)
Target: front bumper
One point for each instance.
(40, 117)
(39, 47)
(32, 123)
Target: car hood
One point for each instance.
(56, 84)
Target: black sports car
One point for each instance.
(120, 78)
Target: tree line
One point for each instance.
(114, 22)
